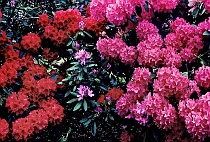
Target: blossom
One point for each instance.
(53, 110)
(44, 20)
(163, 113)
(126, 137)
(170, 81)
(17, 103)
(82, 56)
(196, 116)
(144, 28)
(116, 14)
(164, 6)
(83, 92)
(128, 55)
(4, 129)
(81, 25)
(202, 77)
(31, 42)
(111, 48)
(114, 93)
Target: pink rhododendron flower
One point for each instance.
(164, 6)
(82, 56)
(144, 29)
(202, 77)
(83, 92)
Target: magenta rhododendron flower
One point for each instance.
(202, 77)
(84, 91)
(82, 56)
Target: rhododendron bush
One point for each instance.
(105, 70)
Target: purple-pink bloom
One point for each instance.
(12, 3)
(81, 25)
(82, 56)
(84, 91)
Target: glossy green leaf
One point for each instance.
(94, 128)
(85, 105)
(72, 100)
(77, 106)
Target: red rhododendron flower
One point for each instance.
(24, 128)
(125, 137)
(54, 111)
(115, 93)
(44, 20)
(31, 42)
(4, 129)
(3, 37)
(17, 103)
(101, 99)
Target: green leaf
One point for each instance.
(83, 120)
(203, 62)
(85, 105)
(85, 70)
(206, 33)
(104, 88)
(91, 65)
(97, 80)
(70, 83)
(67, 93)
(152, 75)
(72, 100)
(81, 33)
(60, 83)
(94, 128)
(77, 106)
(72, 68)
(111, 117)
(74, 93)
(87, 123)
(195, 12)
(69, 42)
(80, 76)
(75, 88)
(185, 74)
(87, 34)
(93, 103)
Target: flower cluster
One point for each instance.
(149, 51)
(136, 90)
(37, 120)
(8, 74)
(84, 91)
(44, 20)
(82, 56)
(31, 42)
(115, 11)
(17, 103)
(145, 28)
(164, 6)
(125, 137)
(53, 110)
(196, 117)
(116, 48)
(114, 93)
(4, 129)
(171, 82)
(163, 113)
(185, 39)
(23, 128)
(202, 77)
(139, 86)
